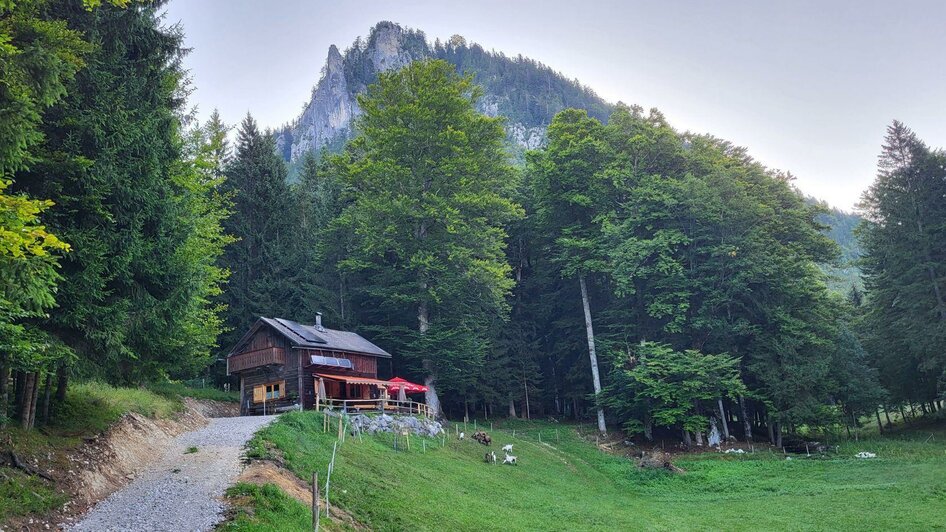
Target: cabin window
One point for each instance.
(269, 391)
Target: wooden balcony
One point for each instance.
(255, 359)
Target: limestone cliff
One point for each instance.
(522, 90)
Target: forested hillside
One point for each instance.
(657, 281)
(841, 228)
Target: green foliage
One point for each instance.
(262, 281)
(140, 212)
(668, 384)
(38, 57)
(427, 193)
(904, 240)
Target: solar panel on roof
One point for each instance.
(300, 331)
(331, 361)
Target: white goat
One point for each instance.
(462, 435)
(490, 458)
(510, 459)
(507, 448)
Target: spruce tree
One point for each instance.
(428, 192)
(262, 281)
(904, 265)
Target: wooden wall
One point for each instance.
(296, 370)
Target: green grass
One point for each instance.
(264, 509)
(191, 450)
(91, 407)
(565, 483)
(22, 495)
(176, 390)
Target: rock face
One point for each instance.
(523, 91)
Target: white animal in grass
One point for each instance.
(490, 458)
(510, 459)
(461, 436)
(507, 448)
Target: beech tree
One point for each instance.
(570, 194)
(428, 191)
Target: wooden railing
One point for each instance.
(389, 406)
(253, 359)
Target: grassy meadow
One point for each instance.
(566, 483)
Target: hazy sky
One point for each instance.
(808, 87)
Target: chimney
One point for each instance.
(318, 321)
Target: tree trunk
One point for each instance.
(747, 425)
(687, 442)
(19, 381)
(4, 386)
(62, 382)
(880, 425)
(887, 415)
(430, 396)
(47, 397)
(558, 405)
(770, 425)
(596, 380)
(525, 387)
(25, 409)
(903, 415)
(512, 407)
(34, 401)
(649, 428)
(778, 435)
(722, 417)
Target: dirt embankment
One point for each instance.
(262, 472)
(108, 461)
(209, 408)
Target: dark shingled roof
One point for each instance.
(310, 337)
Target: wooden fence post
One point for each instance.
(315, 501)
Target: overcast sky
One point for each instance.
(808, 87)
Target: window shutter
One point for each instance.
(259, 393)
(282, 389)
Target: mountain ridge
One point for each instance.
(526, 92)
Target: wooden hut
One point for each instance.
(281, 365)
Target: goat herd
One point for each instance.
(490, 457)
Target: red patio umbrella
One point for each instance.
(398, 383)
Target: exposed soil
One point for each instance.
(210, 408)
(107, 462)
(183, 488)
(262, 472)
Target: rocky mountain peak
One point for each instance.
(524, 91)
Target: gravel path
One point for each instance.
(181, 492)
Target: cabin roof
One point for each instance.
(310, 337)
